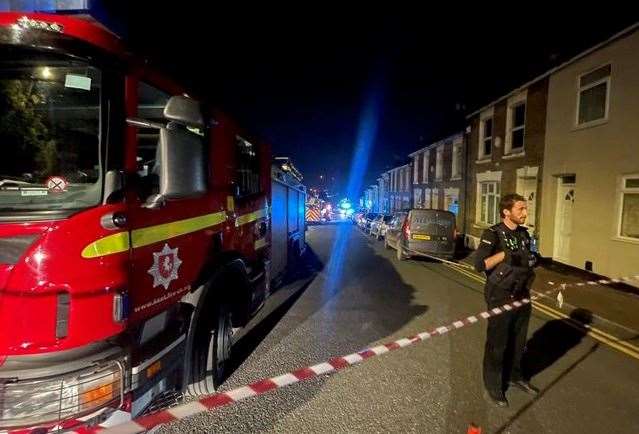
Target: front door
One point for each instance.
(563, 218)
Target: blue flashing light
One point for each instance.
(43, 5)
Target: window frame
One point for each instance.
(581, 89)
(497, 194)
(623, 190)
(482, 155)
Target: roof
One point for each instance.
(437, 143)
(616, 36)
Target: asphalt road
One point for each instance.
(355, 294)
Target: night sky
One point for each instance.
(301, 77)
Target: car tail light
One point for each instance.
(406, 228)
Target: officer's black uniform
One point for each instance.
(507, 282)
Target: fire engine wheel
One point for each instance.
(211, 353)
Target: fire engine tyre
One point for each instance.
(211, 352)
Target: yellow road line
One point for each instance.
(467, 273)
(593, 332)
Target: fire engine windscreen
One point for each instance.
(49, 132)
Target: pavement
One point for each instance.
(611, 307)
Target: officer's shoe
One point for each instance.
(498, 399)
(525, 386)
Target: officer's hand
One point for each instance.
(533, 259)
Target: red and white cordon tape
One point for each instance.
(335, 364)
(211, 402)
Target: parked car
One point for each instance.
(429, 231)
(368, 221)
(361, 221)
(357, 216)
(380, 225)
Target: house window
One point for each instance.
(517, 127)
(629, 209)
(425, 167)
(594, 95)
(427, 202)
(417, 197)
(486, 138)
(435, 201)
(457, 160)
(416, 170)
(489, 202)
(439, 167)
(451, 200)
(406, 201)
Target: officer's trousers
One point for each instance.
(505, 343)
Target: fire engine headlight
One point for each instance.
(33, 402)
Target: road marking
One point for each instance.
(603, 337)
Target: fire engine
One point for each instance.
(140, 228)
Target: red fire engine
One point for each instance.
(135, 228)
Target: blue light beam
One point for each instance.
(359, 164)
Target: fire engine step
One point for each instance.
(164, 400)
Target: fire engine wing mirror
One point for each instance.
(180, 165)
(184, 111)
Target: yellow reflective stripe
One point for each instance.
(116, 243)
(260, 243)
(250, 217)
(153, 234)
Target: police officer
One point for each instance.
(505, 254)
